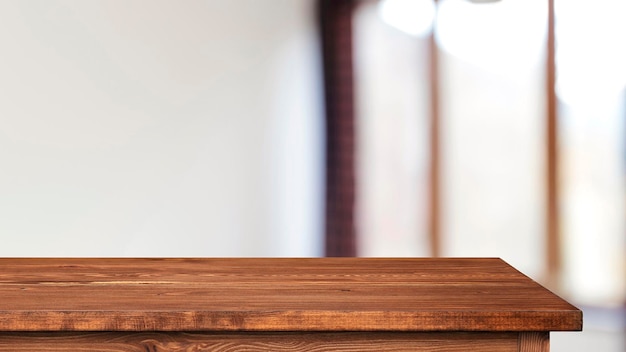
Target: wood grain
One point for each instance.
(247, 294)
(318, 342)
(534, 342)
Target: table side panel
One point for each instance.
(251, 342)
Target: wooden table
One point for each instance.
(316, 304)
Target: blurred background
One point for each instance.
(324, 127)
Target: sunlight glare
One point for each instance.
(590, 50)
(506, 37)
(414, 17)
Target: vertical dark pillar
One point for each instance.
(553, 240)
(434, 201)
(336, 40)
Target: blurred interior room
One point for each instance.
(304, 128)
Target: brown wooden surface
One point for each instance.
(318, 294)
(319, 342)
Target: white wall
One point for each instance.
(392, 160)
(159, 128)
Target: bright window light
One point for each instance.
(506, 37)
(414, 17)
(590, 50)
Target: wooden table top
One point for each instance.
(278, 294)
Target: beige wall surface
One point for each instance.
(159, 128)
